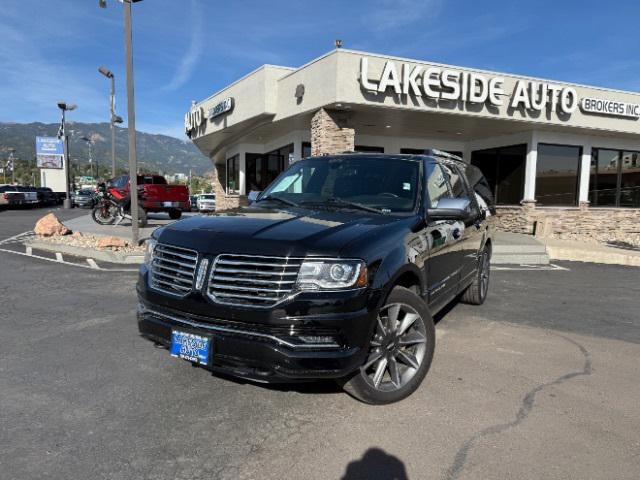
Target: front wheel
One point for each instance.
(175, 214)
(400, 352)
(476, 293)
(104, 213)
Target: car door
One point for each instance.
(443, 237)
(473, 231)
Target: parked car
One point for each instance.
(335, 271)
(84, 198)
(193, 202)
(46, 197)
(10, 196)
(30, 195)
(207, 202)
(155, 194)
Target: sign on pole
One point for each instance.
(49, 152)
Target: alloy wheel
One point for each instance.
(397, 349)
(484, 274)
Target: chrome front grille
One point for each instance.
(252, 280)
(173, 269)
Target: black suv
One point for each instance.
(334, 271)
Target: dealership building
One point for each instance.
(562, 159)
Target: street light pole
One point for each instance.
(63, 106)
(131, 121)
(131, 116)
(114, 118)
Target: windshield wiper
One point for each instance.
(279, 199)
(339, 202)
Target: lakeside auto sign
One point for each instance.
(49, 152)
(441, 83)
(196, 116)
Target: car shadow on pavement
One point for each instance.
(378, 464)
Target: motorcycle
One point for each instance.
(112, 210)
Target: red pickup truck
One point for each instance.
(155, 194)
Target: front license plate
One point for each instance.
(194, 348)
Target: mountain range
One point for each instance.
(156, 153)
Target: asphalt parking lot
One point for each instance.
(540, 382)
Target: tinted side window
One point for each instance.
(480, 186)
(459, 188)
(437, 185)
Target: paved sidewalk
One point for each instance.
(590, 252)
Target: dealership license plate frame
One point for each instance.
(191, 347)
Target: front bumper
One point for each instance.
(152, 205)
(270, 348)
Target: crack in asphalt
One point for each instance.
(525, 409)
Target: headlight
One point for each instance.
(331, 274)
(148, 252)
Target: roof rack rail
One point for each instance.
(440, 153)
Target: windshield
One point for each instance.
(207, 197)
(389, 184)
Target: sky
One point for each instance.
(186, 50)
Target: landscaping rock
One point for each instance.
(111, 242)
(49, 226)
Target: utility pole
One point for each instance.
(13, 166)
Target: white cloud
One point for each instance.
(392, 14)
(194, 52)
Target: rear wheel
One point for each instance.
(400, 352)
(175, 214)
(476, 293)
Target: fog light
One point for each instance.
(317, 339)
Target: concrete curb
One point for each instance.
(102, 255)
(557, 252)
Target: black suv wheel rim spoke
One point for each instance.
(397, 348)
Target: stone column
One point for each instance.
(224, 201)
(330, 133)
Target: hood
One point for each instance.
(279, 232)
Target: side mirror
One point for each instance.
(450, 209)
(253, 195)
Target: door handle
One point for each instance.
(457, 233)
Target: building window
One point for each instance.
(262, 169)
(233, 175)
(557, 174)
(503, 167)
(615, 178)
(306, 149)
(367, 149)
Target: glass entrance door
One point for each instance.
(504, 169)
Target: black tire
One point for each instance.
(104, 215)
(175, 214)
(389, 343)
(476, 293)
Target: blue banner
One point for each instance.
(49, 152)
(49, 146)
